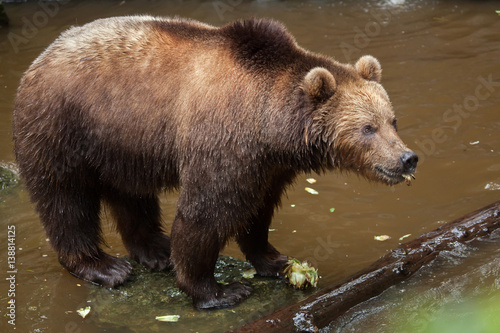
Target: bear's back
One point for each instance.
(256, 45)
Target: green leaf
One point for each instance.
(311, 180)
(311, 190)
(382, 238)
(83, 312)
(169, 318)
(403, 237)
(249, 273)
(300, 274)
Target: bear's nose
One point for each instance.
(409, 160)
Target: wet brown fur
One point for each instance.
(120, 109)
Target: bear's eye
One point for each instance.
(368, 129)
(395, 124)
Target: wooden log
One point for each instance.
(320, 309)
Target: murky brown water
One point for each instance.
(439, 59)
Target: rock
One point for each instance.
(8, 175)
(147, 294)
(4, 20)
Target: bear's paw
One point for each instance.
(103, 269)
(227, 296)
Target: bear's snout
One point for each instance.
(409, 161)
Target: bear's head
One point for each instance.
(353, 116)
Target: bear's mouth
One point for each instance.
(391, 177)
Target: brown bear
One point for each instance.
(121, 109)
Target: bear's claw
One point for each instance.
(271, 268)
(105, 270)
(154, 254)
(228, 295)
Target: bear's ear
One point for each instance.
(369, 68)
(319, 84)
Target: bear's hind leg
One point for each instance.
(138, 220)
(70, 216)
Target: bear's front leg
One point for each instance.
(254, 243)
(195, 244)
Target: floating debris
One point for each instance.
(169, 318)
(300, 274)
(492, 186)
(332, 210)
(405, 236)
(249, 273)
(382, 238)
(311, 191)
(83, 312)
(311, 180)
